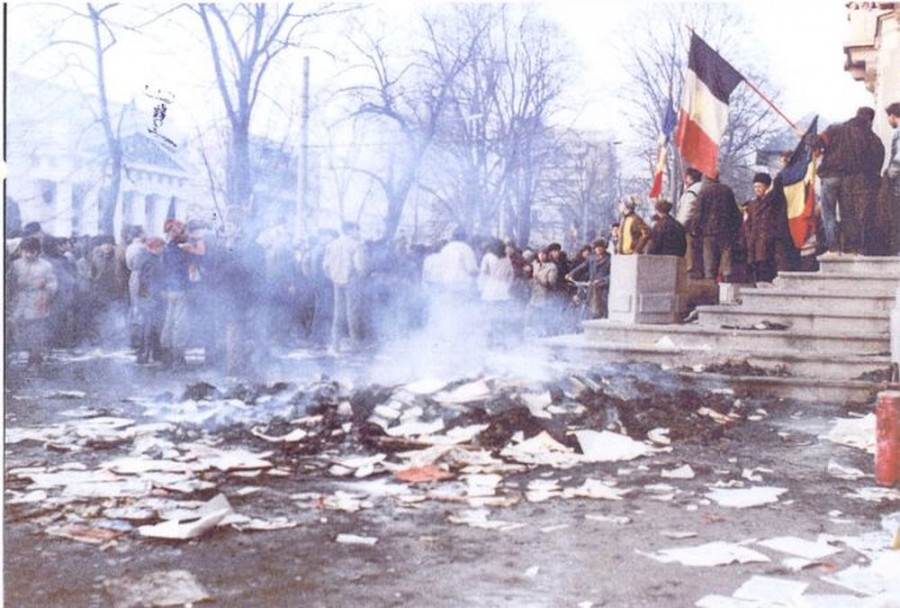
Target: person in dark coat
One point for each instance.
(718, 221)
(667, 237)
(770, 248)
(598, 268)
(852, 156)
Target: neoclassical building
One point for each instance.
(872, 48)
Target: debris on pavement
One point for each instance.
(354, 539)
(167, 588)
(207, 517)
(743, 498)
(716, 553)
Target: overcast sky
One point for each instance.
(801, 41)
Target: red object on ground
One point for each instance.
(887, 438)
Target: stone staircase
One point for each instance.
(820, 336)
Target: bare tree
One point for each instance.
(90, 58)
(244, 41)
(408, 102)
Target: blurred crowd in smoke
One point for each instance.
(243, 297)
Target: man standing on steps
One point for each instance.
(686, 214)
(887, 215)
(852, 156)
(718, 221)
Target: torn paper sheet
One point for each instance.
(478, 390)
(608, 519)
(415, 428)
(840, 471)
(875, 494)
(425, 474)
(682, 472)
(207, 517)
(770, 591)
(540, 490)
(537, 404)
(253, 524)
(855, 432)
(799, 547)
(478, 518)
(717, 553)
(594, 488)
(354, 539)
(743, 498)
(171, 588)
(85, 533)
(878, 577)
(605, 446)
(292, 437)
(542, 449)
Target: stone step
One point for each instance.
(799, 300)
(839, 282)
(855, 264)
(804, 377)
(820, 320)
(742, 340)
(792, 364)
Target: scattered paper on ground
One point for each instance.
(745, 497)
(717, 553)
(354, 539)
(606, 446)
(855, 432)
(793, 545)
(771, 591)
(207, 517)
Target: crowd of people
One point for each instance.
(237, 296)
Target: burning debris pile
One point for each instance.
(166, 475)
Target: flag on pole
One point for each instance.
(668, 125)
(708, 83)
(170, 212)
(798, 182)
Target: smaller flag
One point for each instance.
(708, 83)
(668, 125)
(798, 182)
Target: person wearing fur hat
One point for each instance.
(667, 237)
(633, 230)
(770, 248)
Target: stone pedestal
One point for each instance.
(646, 288)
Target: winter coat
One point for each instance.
(667, 237)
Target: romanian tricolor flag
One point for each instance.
(798, 180)
(668, 125)
(708, 83)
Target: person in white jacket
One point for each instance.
(343, 263)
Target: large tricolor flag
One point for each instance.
(668, 125)
(798, 180)
(708, 83)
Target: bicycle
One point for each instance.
(580, 302)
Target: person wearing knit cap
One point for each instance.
(667, 237)
(633, 230)
(770, 248)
